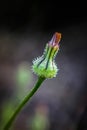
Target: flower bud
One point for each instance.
(45, 65)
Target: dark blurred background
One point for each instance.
(25, 28)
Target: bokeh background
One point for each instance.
(25, 28)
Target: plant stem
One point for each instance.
(22, 104)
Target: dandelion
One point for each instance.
(45, 65)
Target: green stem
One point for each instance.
(25, 100)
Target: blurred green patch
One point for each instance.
(23, 74)
(24, 79)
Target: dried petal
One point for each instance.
(55, 39)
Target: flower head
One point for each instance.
(45, 66)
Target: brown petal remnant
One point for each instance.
(55, 39)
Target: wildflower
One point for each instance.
(45, 65)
